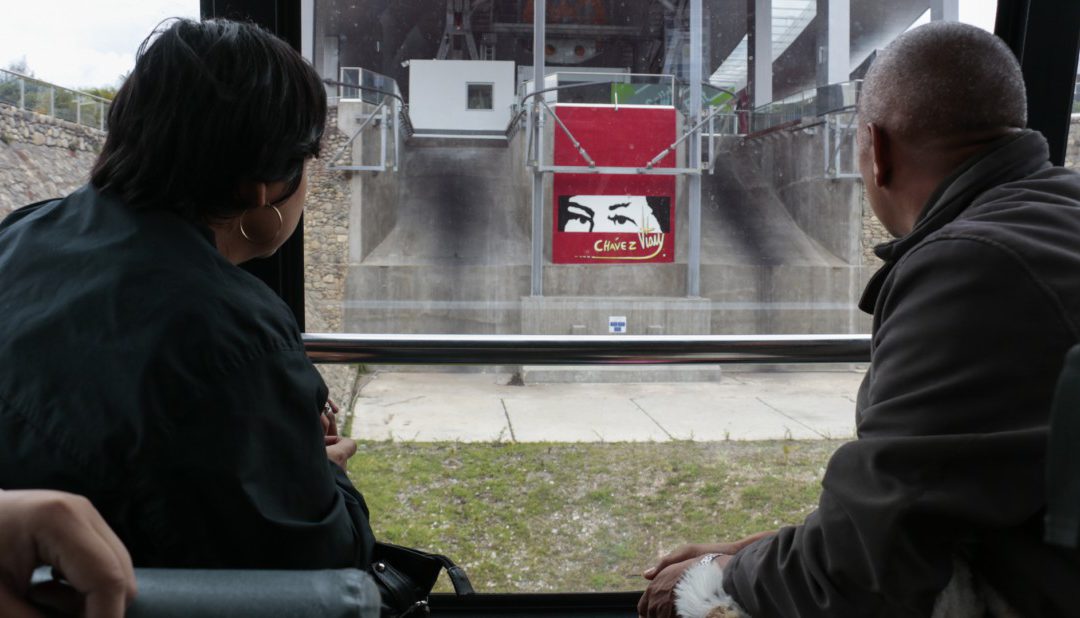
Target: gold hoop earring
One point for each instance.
(281, 224)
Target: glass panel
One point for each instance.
(479, 96)
(563, 478)
(1072, 154)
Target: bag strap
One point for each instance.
(458, 577)
(1063, 458)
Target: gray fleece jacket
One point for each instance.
(974, 311)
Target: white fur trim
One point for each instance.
(701, 590)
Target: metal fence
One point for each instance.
(51, 100)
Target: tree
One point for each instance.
(20, 66)
(105, 92)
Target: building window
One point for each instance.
(479, 96)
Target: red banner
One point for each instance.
(614, 218)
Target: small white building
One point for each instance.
(460, 96)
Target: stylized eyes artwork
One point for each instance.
(618, 219)
(621, 220)
(581, 214)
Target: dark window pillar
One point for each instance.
(283, 271)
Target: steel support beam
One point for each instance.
(834, 41)
(759, 48)
(693, 182)
(537, 279)
(944, 10)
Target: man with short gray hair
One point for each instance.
(978, 301)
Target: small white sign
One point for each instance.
(617, 324)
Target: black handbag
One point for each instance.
(405, 577)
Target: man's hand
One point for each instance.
(659, 598)
(339, 450)
(64, 531)
(700, 549)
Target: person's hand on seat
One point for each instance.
(659, 598)
(64, 531)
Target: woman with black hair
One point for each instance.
(139, 365)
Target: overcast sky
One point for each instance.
(82, 43)
(86, 43)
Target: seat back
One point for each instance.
(198, 593)
(1063, 458)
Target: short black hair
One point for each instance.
(208, 105)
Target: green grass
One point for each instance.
(580, 517)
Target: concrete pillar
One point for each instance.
(536, 287)
(693, 260)
(759, 70)
(834, 41)
(944, 10)
(307, 32)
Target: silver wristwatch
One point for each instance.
(708, 558)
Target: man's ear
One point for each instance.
(251, 194)
(881, 152)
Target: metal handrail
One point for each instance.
(331, 165)
(567, 86)
(102, 103)
(585, 350)
(404, 112)
(573, 140)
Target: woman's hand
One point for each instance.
(339, 450)
(329, 418)
(64, 531)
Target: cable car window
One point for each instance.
(1072, 155)
(572, 212)
(666, 173)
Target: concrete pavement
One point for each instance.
(483, 407)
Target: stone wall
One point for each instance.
(326, 253)
(873, 232)
(42, 157)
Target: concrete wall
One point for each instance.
(438, 99)
(827, 209)
(42, 157)
(373, 196)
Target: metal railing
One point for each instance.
(390, 116)
(534, 107)
(810, 103)
(28, 93)
(585, 350)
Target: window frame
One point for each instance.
(491, 96)
(1044, 35)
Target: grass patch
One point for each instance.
(580, 516)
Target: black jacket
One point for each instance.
(141, 369)
(973, 313)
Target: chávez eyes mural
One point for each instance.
(614, 218)
(613, 213)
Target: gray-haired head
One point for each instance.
(944, 79)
